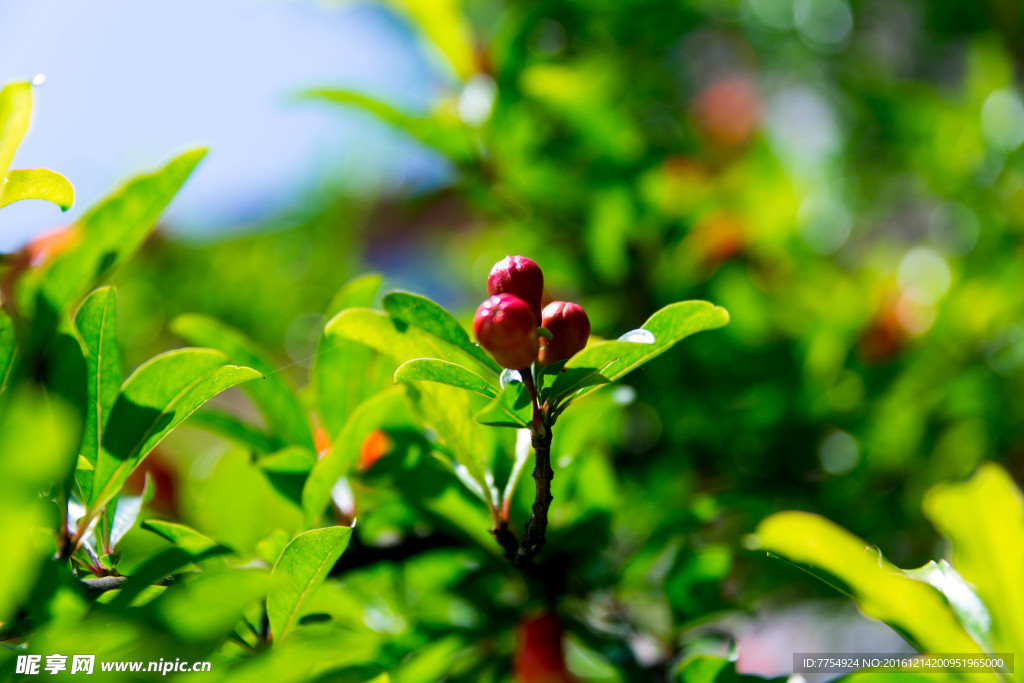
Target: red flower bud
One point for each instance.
(569, 327)
(505, 326)
(539, 654)
(520, 276)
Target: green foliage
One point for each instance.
(155, 399)
(275, 398)
(299, 571)
(37, 183)
(96, 321)
(966, 606)
(853, 203)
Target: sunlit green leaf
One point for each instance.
(346, 372)
(273, 395)
(984, 519)
(299, 571)
(180, 535)
(158, 396)
(432, 370)
(105, 236)
(446, 134)
(434, 319)
(380, 332)
(882, 591)
(96, 320)
(15, 114)
(967, 606)
(615, 359)
(37, 183)
(444, 24)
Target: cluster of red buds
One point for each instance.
(506, 323)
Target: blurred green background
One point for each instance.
(846, 178)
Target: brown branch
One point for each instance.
(536, 527)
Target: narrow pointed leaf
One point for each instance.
(512, 408)
(15, 114)
(8, 352)
(154, 400)
(882, 591)
(984, 519)
(432, 318)
(448, 135)
(391, 337)
(615, 359)
(96, 320)
(345, 372)
(432, 370)
(302, 567)
(273, 395)
(37, 183)
(180, 535)
(106, 236)
(386, 410)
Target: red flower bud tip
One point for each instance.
(569, 327)
(520, 276)
(505, 326)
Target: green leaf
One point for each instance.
(300, 570)
(431, 370)
(432, 318)
(15, 114)
(446, 134)
(180, 535)
(357, 293)
(230, 427)
(386, 410)
(966, 604)
(669, 326)
(711, 669)
(984, 519)
(615, 359)
(207, 606)
(37, 448)
(287, 470)
(445, 25)
(107, 235)
(159, 565)
(8, 352)
(345, 372)
(380, 332)
(512, 408)
(96, 320)
(448, 412)
(882, 591)
(273, 395)
(127, 510)
(571, 380)
(158, 396)
(37, 183)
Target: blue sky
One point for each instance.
(129, 84)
